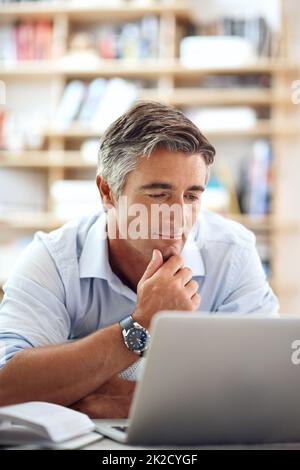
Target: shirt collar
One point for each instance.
(192, 256)
(94, 261)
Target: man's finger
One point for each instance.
(155, 263)
(173, 264)
(192, 287)
(185, 274)
(196, 299)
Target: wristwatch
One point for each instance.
(136, 337)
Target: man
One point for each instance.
(78, 283)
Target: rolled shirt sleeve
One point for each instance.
(32, 312)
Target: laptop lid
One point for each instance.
(219, 379)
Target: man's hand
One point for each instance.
(165, 286)
(111, 401)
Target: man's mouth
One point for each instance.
(168, 235)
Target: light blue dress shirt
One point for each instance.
(63, 287)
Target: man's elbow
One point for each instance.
(4, 388)
(9, 393)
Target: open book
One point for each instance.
(45, 425)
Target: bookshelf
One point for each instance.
(44, 159)
(130, 69)
(104, 12)
(262, 128)
(173, 83)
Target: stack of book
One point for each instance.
(252, 22)
(26, 40)
(220, 118)
(255, 182)
(131, 41)
(249, 190)
(95, 105)
(75, 198)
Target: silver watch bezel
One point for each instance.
(136, 326)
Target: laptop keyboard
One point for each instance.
(120, 428)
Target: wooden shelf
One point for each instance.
(255, 222)
(263, 128)
(168, 67)
(44, 159)
(92, 12)
(132, 68)
(260, 66)
(217, 97)
(264, 223)
(151, 69)
(31, 221)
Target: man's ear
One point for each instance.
(106, 194)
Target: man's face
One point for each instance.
(167, 180)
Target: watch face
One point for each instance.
(136, 339)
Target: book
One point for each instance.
(70, 103)
(26, 40)
(118, 97)
(96, 105)
(216, 51)
(255, 180)
(229, 117)
(8, 50)
(134, 40)
(43, 40)
(256, 22)
(259, 178)
(45, 425)
(74, 198)
(95, 93)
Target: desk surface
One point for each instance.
(109, 444)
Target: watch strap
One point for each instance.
(127, 323)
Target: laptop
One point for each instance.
(211, 379)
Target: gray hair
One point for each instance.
(138, 132)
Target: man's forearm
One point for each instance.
(65, 373)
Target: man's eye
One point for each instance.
(192, 197)
(156, 196)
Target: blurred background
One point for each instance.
(69, 68)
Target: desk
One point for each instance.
(108, 444)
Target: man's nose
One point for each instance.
(180, 212)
